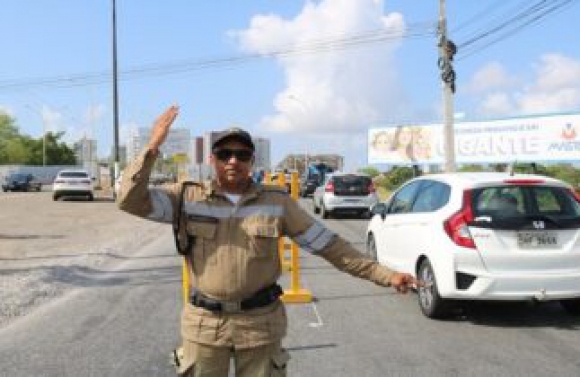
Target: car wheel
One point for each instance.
(430, 302)
(572, 306)
(316, 209)
(324, 212)
(55, 197)
(372, 247)
(91, 197)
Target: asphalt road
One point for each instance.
(126, 322)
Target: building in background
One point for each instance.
(298, 162)
(86, 155)
(262, 154)
(197, 150)
(177, 142)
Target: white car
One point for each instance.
(482, 236)
(72, 183)
(345, 193)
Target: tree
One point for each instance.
(399, 175)
(22, 149)
(8, 133)
(57, 152)
(369, 170)
(471, 168)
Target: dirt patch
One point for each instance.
(47, 247)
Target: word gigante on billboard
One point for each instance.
(541, 138)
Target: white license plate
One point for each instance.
(537, 240)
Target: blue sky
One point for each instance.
(320, 97)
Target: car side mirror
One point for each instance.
(379, 209)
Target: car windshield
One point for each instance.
(17, 177)
(351, 185)
(73, 174)
(516, 206)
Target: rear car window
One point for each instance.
(516, 206)
(17, 177)
(73, 174)
(351, 185)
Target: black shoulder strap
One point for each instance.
(182, 247)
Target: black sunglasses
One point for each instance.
(224, 154)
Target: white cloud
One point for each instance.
(52, 119)
(492, 76)
(497, 104)
(556, 72)
(340, 90)
(93, 114)
(554, 87)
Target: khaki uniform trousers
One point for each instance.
(209, 361)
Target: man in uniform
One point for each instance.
(229, 230)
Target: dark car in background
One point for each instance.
(21, 182)
(309, 183)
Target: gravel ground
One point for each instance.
(49, 248)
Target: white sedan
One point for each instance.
(482, 236)
(73, 183)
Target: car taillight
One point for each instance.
(456, 226)
(87, 181)
(329, 187)
(575, 194)
(372, 188)
(59, 181)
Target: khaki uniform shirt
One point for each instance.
(235, 253)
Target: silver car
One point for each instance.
(345, 193)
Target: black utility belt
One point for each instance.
(262, 298)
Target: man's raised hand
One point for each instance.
(161, 128)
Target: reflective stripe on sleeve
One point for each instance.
(223, 212)
(315, 238)
(162, 207)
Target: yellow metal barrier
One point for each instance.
(295, 294)
(185, 282)
(284, 262)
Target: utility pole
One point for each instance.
(447, 50)
(115, 100)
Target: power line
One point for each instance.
(321, 45)
(529, 16)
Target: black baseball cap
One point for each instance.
(234, 133)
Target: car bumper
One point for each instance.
(71, 192)
(510, 286)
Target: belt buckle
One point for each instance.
(231, 306)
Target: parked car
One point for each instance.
(345, 193)
(21, 182)
(482, 236)
(73, 183)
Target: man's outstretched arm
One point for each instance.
(135, 196)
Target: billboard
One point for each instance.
(531, 139)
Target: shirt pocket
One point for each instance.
(204, 249)
(262, 238)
